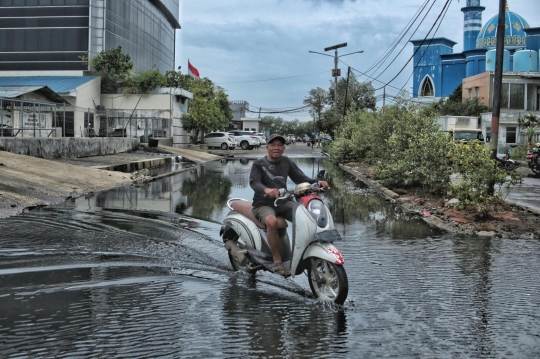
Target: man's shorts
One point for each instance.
(284, 209)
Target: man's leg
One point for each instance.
(268, 216)
(271, 223)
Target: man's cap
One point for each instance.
(274, 136)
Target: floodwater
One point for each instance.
(142, 272)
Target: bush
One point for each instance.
(408, 150)
(518, 153)
(478, 175)
(146, 81)
(416, 153)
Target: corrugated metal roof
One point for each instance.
(14, 91)
(59, 84)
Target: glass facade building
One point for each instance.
(54, 34)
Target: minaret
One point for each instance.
(472, 23)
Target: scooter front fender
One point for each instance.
(325, 251)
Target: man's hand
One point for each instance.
(271, 192)
(324, 184)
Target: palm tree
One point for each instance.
(530, 122)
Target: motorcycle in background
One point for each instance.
(533, 159)
(311, 250)
(505, 162)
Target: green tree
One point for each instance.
(352, 96)
(209, 110)
(145, 81)
(113, 66)
(178, 80)
(317, 101)
(530, 123)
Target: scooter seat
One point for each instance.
(244, 207)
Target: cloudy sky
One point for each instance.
(257, 50)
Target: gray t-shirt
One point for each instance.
(263, 171)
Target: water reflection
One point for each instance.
(357, 209)
(206, 192)
(202, 192)
(272, 328)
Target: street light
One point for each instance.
(335, 72)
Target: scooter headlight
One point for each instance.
(318, 211)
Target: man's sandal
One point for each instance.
(278, 268)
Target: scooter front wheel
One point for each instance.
(328, 281)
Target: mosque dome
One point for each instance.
(514, 35)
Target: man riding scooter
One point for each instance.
(263, 171)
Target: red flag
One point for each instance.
(192, 70)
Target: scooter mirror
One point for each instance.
(280, 182)
(321, 174)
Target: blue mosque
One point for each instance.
(439, 70)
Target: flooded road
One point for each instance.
(142, 272)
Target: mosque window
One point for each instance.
(427, 88)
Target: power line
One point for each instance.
(405, 45)
(446, 5)
(278, 78)
(421, 57)
(394, 44)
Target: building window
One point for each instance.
(477, 92)
(470, 94)
(511, 135)
(427, 88)
(517, 96)
(504, 95)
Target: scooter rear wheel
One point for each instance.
(328, 281)
(237, 266)
(509, 165)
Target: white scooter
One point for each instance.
(311, 249)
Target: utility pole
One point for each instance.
(346, 92)
(335, 73)
(383, 98)
(497, 86)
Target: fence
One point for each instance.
(19, 118)
(30, 118)
(524, 139)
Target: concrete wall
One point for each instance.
(481, 81)
(156, 105)
(51, 148)
(84, 97)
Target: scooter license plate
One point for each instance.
(328, 236)
(528, 160)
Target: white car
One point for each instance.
(262, 138)
(245, 139)
(222, 140)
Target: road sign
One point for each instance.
(336, 72)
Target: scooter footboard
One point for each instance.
(325, 251)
